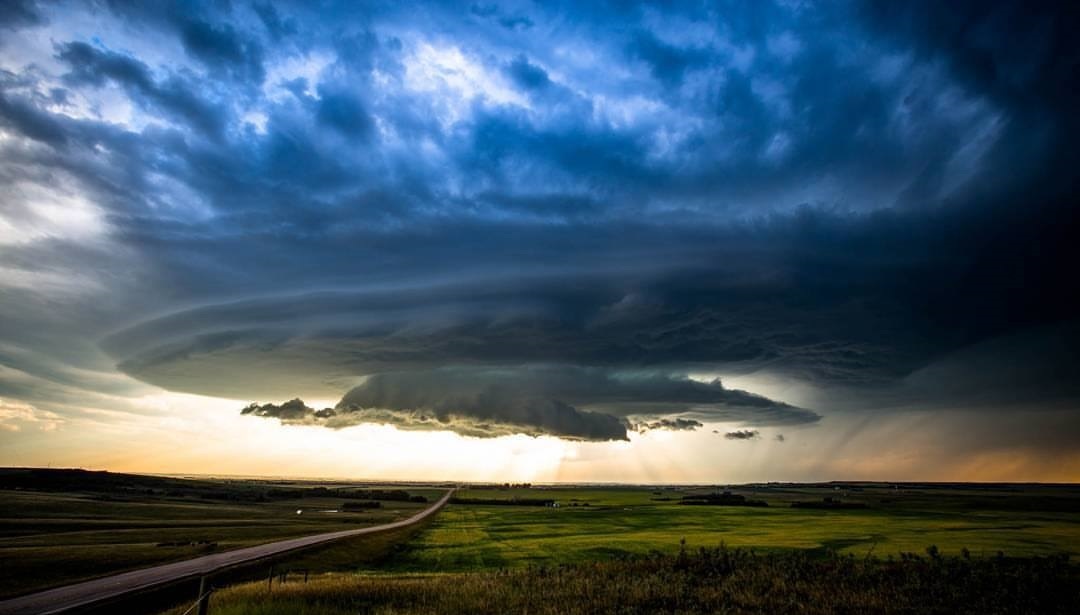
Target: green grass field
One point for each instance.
(913, 548)
(79, 526)
(625, 521)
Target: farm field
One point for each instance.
(606, 523)
(872, 548)
(59, 528)
(65, 529)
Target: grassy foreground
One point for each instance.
(717, 580)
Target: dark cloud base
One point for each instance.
(572, 403)
(675, 424)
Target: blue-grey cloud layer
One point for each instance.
(844, 194)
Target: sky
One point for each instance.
(543, 241)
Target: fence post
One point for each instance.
(204, 596)
(270, 579)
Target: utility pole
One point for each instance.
(204, 596)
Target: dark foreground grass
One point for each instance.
(717, 580)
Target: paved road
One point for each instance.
(90, 592)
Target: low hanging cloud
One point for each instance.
(675, 424)
(294, 410)
(478, 402)
(572, 403)
(742, 434)
(474, 418)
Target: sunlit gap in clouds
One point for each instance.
(360, 451)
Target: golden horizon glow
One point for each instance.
(182, 434)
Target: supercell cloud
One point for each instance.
(520, 218)
(572, 403)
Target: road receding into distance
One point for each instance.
(91, 592)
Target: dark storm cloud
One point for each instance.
(478, 403)
(575, 403)
(675, 424)
(174, 97)
(667, 63)
(28, 119)
(19, 14)
(1033, 67)
(866, 199)
(344, 112)
(615, 318)
(277, 26)
(294, 410)
(489, 414)
(494, 13)
(221, 47)
(527, 75)
(552, 398)
(217, 35)
(742, 434)
(1032, 368)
